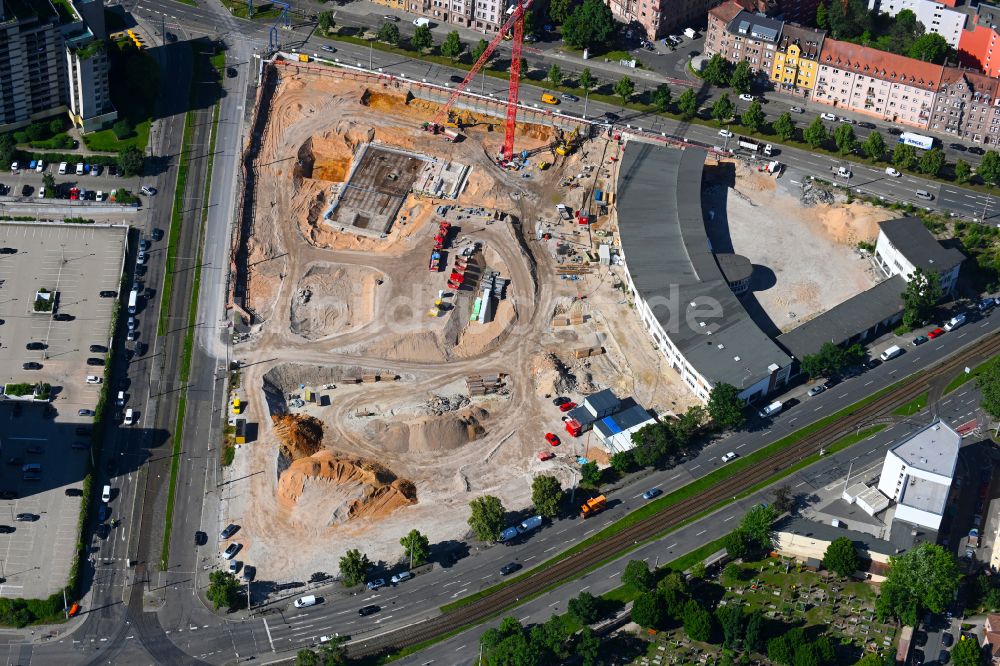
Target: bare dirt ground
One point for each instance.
(410, 451)
(811, 250)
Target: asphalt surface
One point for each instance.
(182, 625)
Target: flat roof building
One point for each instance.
(905, 244)
(681, 294)
(616, 430)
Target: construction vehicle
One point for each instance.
(564, 212)
(435, 263)
(574, 428)
(567, 144)
(515, 20)
(593, 506)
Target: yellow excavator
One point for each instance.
(567, 143)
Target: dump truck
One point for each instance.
(593, 506)
(753, 145)
(435, 263)
(574, 428)
(564, 212)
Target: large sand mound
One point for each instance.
(332, 490)
(431, 433)
(300, 435)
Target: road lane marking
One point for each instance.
(700, 533)
(728, 519)
(268, 630)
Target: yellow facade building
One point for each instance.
(796, 59)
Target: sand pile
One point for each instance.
(851, 223)
(333, 299)
(300, 435)
(551, 376)
(477, 339)
(430, 433)
(327, 488)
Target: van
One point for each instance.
(844, 172)
(422, 22)
(129, 418)
(890, 353)
(925, 195)
(955, 322)
(32, 468)
(133, 300)
(770, 410)
(549, 99)
(305, 602)
(121, 399)
(690, 33)
(62, 168)
(106, 494)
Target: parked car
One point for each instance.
(725, 133)
(376, 584)
(551, 439)
(230, 552)
(729, 456)
(747, 97)
(26, 517)
(651, 493)
(390, 17)
(545, 455)
(147, 190)
(957, 146)
(74, 492)
(919, 340)
(976, 150)
(200, 538)
(85, 412)
(947, 639)
(7, 529)
(95, 361)
(816, 390)
(31, 365)
(229, 531)
(559, 401)
(32, 346)
(98, 349)
(62, 316)
(234, 566)
(827, 116)
(400, 577)
(936, 333)
(566, 406)
(249, 573)
(867, 125)
(796, 109)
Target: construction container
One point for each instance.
(241, 431)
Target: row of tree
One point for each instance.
(511, 644)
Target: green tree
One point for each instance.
(49, 183)
(784, 500)
(587, 80)
(845, 138)
(479, 49)
(306, 658)
(922, 579)
(121, 129)
(637, 575)
(687, 104)
(37, 131)
(922, 293)
(591, 24)
(622, 462)
(757, 525)
(989, 168)
(624, 87)
(697, 622)
(326, 21)
(831, 359)
(354, 567)
(988, 383)
(546, 495)
(730, 620)
(422, 38)
(737, 544)
(555, 75)
(753, 634)
(130, 159)
(930, 47)
(662, 97)
(416, 548)
(452, 45)
(932, 160)
(590, 473)
(784, 126)
(725, 406)
(967, 653)
(716, 72)
(821, 19)
(646, 611)
(486, 520)
(874, 146)
(560, 10)
(840, 557)
(584, 607)
(805, 655)
(223, 589)
(904, 156)
(963, 172)
(871, 659)
(723, 109)
(816, 134)
(850, 19)
(388, 33)
(56, 125)
(741, 78)
(753, 117)
(8, 149)
(824, 650)
(588, 647)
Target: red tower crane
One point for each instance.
(516, 22)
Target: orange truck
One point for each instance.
(593, 506)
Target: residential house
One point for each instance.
(745, 36)
(966, 106)
(796, 59)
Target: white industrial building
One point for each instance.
(613, 420)
(936, 17)
(917, 474)
(905, 245)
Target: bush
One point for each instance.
(121, 130)
(18, 390)
(228, 455)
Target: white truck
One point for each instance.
(916, 140)
(133, 299)
(844, 172)
(564, 212)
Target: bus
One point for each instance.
(916, 140)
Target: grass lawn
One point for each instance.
(913, 406)
(261, 10)
(106, 139)
(966, 376)
(135, 81)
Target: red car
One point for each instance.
(566, 406)
(551, 439)
(936, 333)
(546, 455)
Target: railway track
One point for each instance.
(684, 510)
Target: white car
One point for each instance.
(140, 258)
(99, 196)
(889, 171)
(41, 192)
(747, 98)
(796, 109)
(827, 116)
(40, 167)
(725, 133)
(729, 456)
(846, 120)
(147, 190)
(328, 49)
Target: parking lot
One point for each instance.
(14, 182)
(76, 263)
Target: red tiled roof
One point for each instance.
(880, 64)
(727, 11)
(980, 83)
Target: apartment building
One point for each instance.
(661, 17)
(966, 106)
(936, 17)
(978, 45)
(485, 16)
(881, 84)
(796, 59)
(52, 62)
(737, 35)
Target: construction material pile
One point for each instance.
(300, 435)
